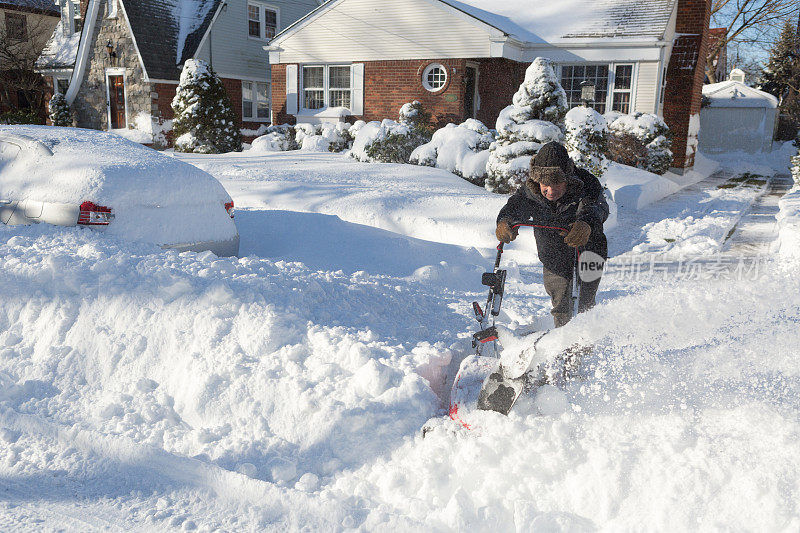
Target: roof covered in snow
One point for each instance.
(60, 50)
(573, 19)
(736, 94)
(168, 32)
(44, 6)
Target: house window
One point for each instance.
(16, 27)
(77, 21)
(623, 81)
(434, 77)
(339, 86)
(313, 87)
(326, 86)
(262, 21)
(573, 75)
(255, 101)
(61, 85)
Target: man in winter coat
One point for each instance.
(561, 195)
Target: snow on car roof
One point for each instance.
(103, 168)
(573, 19)
(155, 197)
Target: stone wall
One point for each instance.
(91, 105)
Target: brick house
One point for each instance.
(118, 62)
(25, 26)
(362, 59)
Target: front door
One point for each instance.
(116, 101)
(470, 80)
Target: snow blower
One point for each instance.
(506, 378)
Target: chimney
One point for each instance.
(685, 76)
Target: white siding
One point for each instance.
(364, 30)
(647, 87)
(235, 54)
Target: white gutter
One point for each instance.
(83, 51)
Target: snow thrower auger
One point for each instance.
(503, 386)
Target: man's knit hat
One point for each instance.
(551, 165)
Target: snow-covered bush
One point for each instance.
(204, 119)
(531, 121)
(325, 137)
(586, 135)
(795, 168)
(392, 142)
(640, 140)
(59, 111)
(278, 138)
(462, 149)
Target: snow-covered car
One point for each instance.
(77, 177)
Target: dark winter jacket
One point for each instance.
(583, 200)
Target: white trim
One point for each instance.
(116, 71)
(240, 77)
(83, 51)
(159, 80)
(135, 45)
(428, 87)
(262, 19)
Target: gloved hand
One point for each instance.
(578, 234)
(505, 233)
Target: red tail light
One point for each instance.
(94, 215)
(229, 208)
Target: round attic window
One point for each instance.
(434, 77)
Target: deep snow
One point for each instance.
(149, 389)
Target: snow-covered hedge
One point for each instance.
(462, 149)
(639, 140)
(204, 119)
(59, 111)
(586, 139)
(392, 142)
(531, 121)
(326, 137)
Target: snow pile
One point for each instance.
(204, 119)
(417, 201)
(154, 197)
(461, 149)
(789, 223)
(585, 139)
(640, 140)
(146, 129)
(523, 127)
(273, 370)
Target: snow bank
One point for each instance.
(154, 197)
(789, 223)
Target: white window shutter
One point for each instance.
(291, 89)
(357, 77)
